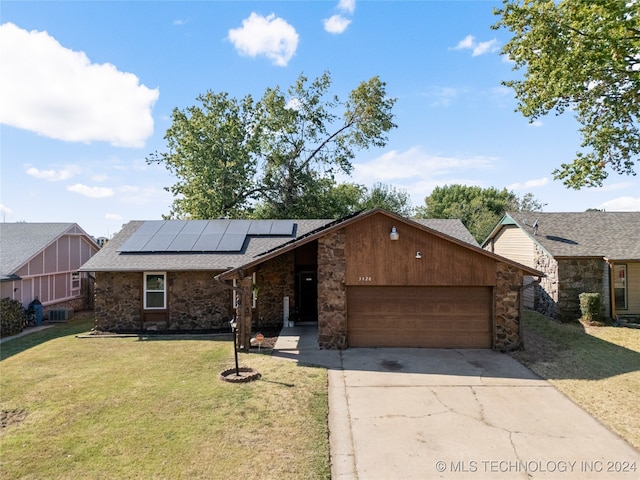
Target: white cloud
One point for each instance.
(136, 195)
(617, 186)
(270, 36)
(99, 177)
(91, 192)
(536, 123)
(443, 96)
(477, 48)
(419, 172)
(53, 175)
(485, 47)
(57, 92)
(466, 42)
(113, 216)
(5, 210)
(348, 6)
(536, 182)
(336, 24)
(621, 204)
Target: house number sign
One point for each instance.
(364, 279)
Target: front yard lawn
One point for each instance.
(117, 408)
(596, 367)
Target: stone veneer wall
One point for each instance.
(195, 301)
(546, 293)
(275, 280)
(332, 292)
(558, 295)
(578, 275)
(509, 281)
(118, 301)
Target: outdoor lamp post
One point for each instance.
(234, 324)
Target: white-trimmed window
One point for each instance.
(75, 283)
(155, 293)
(620, 286)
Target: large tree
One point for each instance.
(478, 208)
(213, 151)
(387, 197)
(277, 155)
(328, 199)
(582, 56)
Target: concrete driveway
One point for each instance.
(454, 414)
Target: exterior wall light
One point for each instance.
(418, 254)
(394, 235)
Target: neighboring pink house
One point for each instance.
(42, 260)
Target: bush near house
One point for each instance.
(590, 306)
(12, 317)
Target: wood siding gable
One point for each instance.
(374, 259)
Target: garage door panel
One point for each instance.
(436, 317)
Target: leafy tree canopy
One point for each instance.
(478, 208)
(277, 156)
(582, 56)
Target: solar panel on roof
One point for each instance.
(238, 227)
(150, 226)
(207, 242)
(135, 243)
(216, 226)
(172, 227)
(183, 242)
(201, 235)
(195, 227)
(231, 242)
(159, 242)
(282, 227)
(260, 227)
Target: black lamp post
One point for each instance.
(234, 325)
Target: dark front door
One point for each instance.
(307, 296)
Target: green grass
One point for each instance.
(103, 408)
(597, 367)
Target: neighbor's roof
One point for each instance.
(613, 235)
(19, 242)
(452, 227)
(111, 258)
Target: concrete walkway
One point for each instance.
(431, 413)
(26, 331)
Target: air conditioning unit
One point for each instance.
(60, 314)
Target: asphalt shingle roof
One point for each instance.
(109, 258)
(614, 235)
(452, 227)
(19, 242)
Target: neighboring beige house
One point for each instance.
(579, 253)
(42, 260)
(373, 279)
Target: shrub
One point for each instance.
(590, 304)
(12, 317)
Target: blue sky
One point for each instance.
(87, 89)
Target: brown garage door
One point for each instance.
(433, 317)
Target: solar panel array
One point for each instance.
(201, 235)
